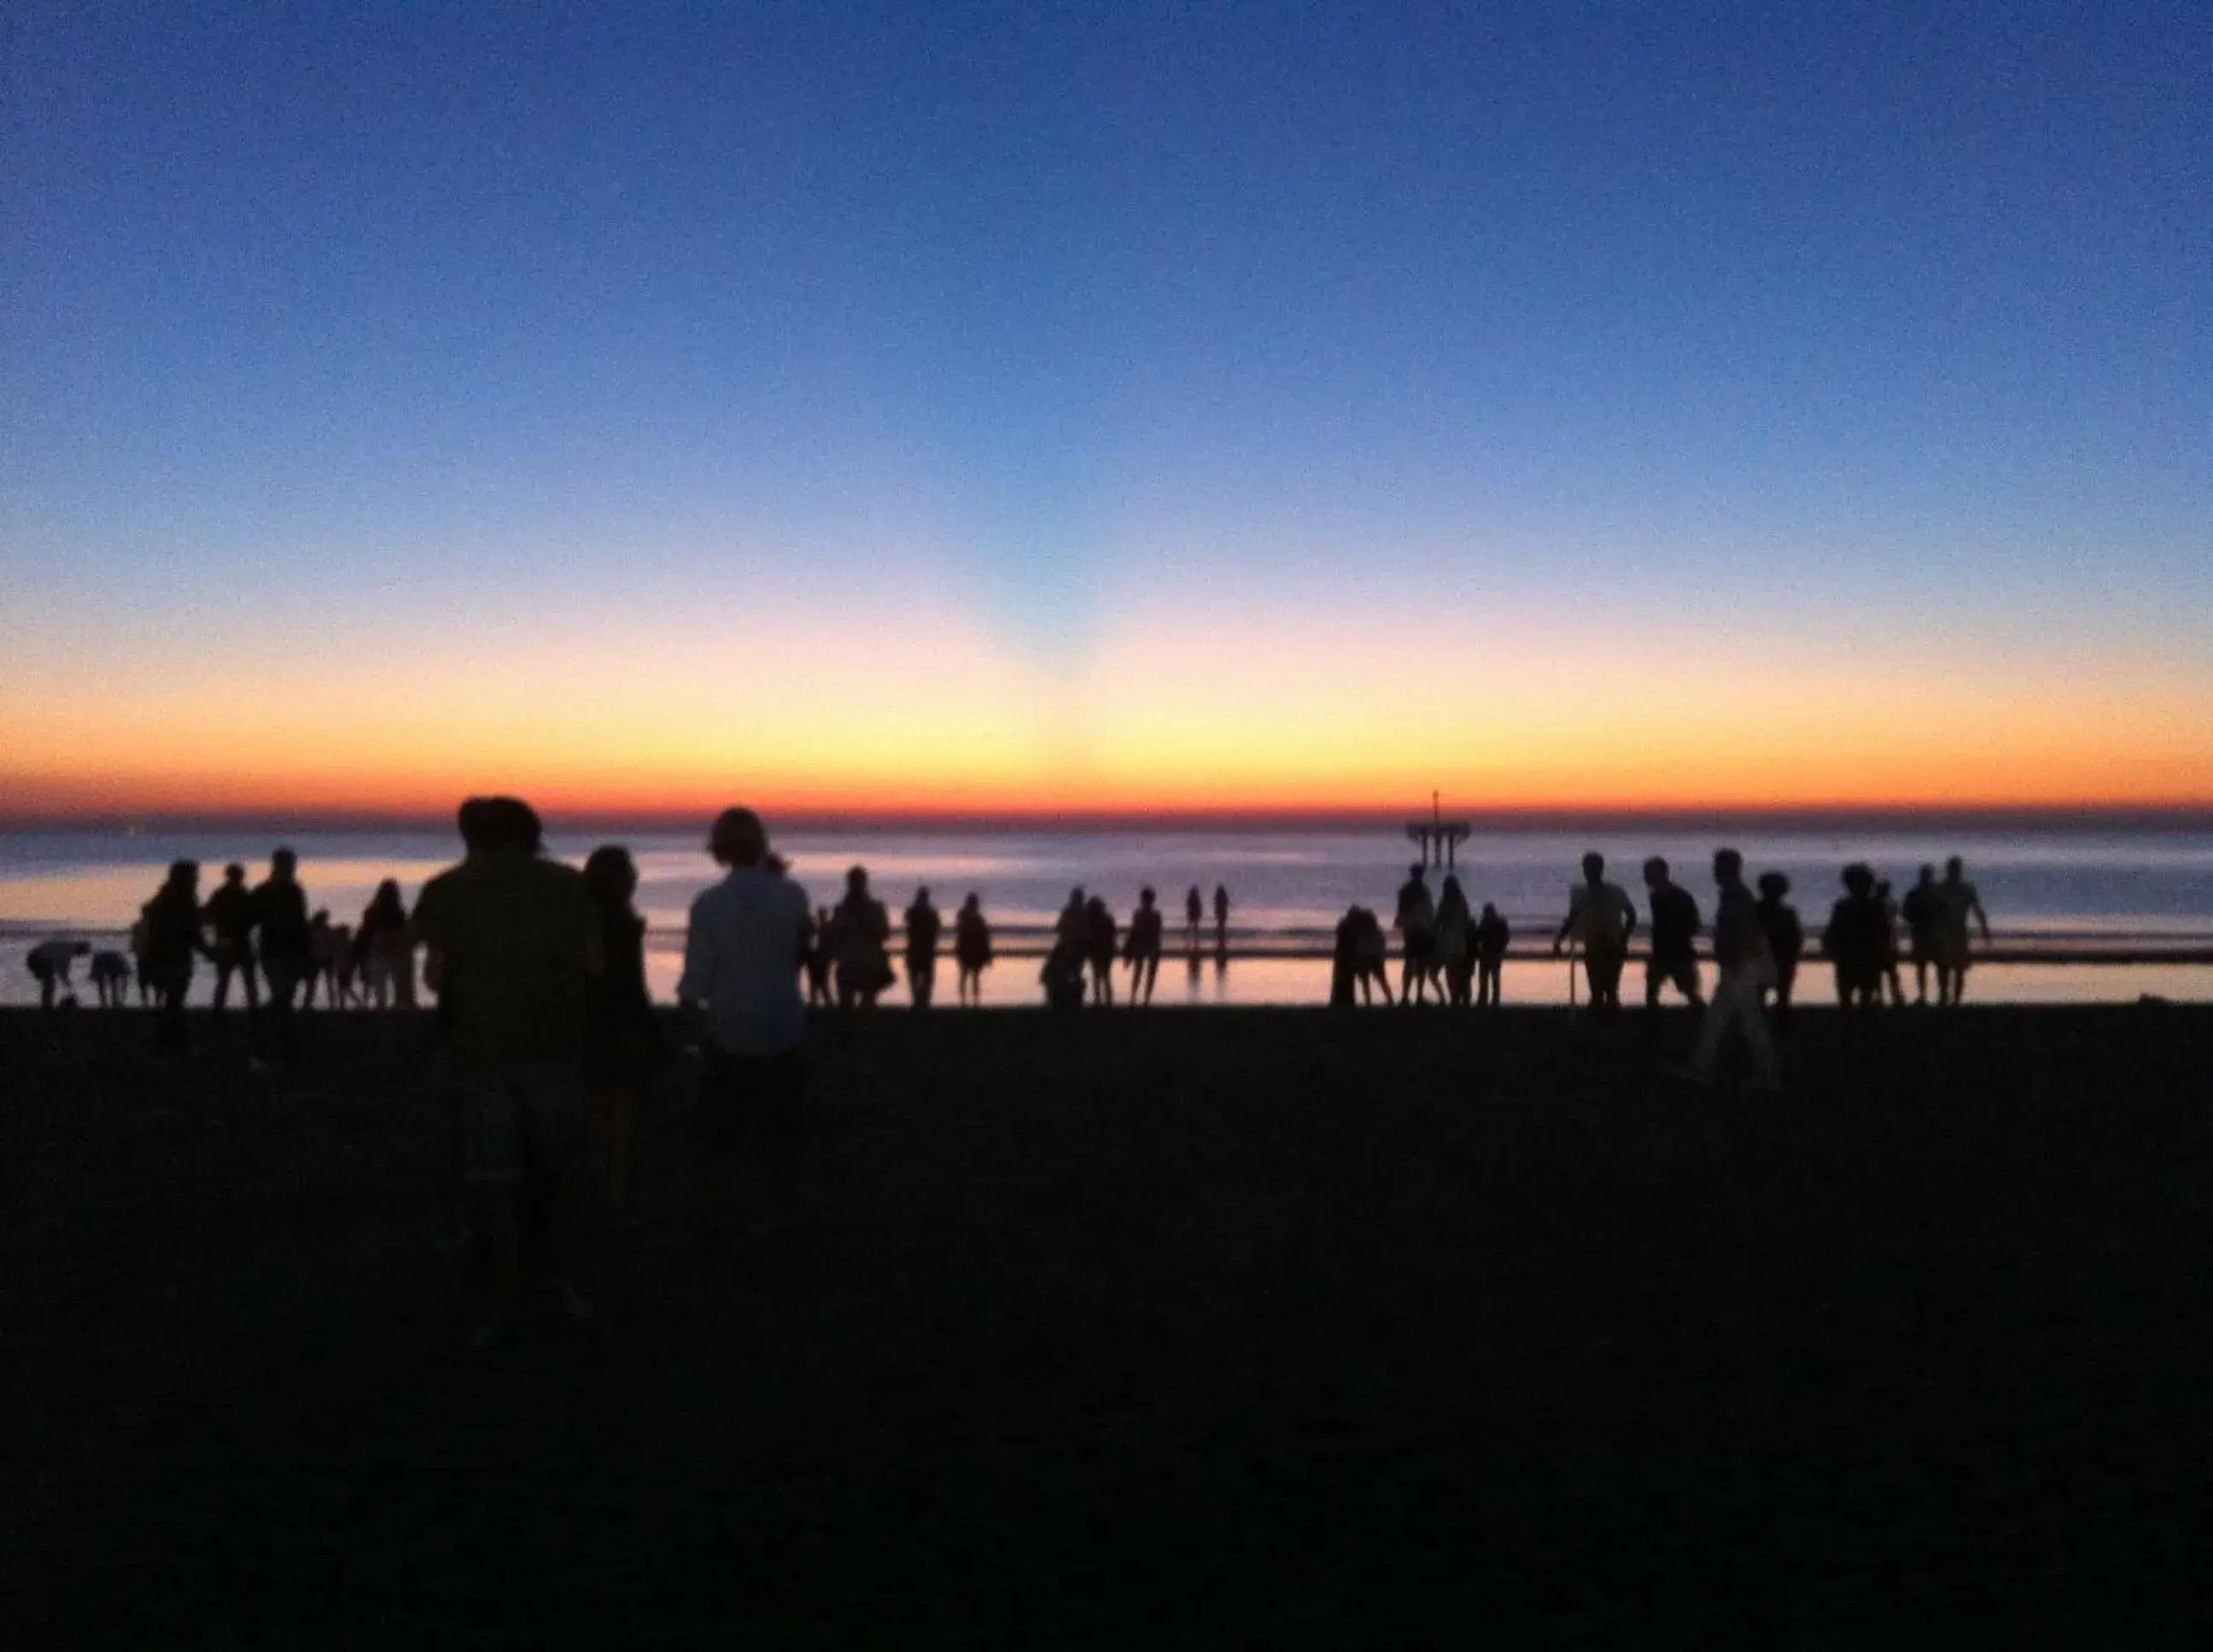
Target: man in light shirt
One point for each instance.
(741, 962)
(1600, 917)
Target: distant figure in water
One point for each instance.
(1674, 960)
(1194, 912)
(229, 916)
(1786, 939)
(1416, 922)
(1143, 948)
(864, 967)
(1221, 920)
(49, 963)
(172, 927)
(1453, 939)
(111, 980)
(819, 939)
(280, 926)
(1601, 917)
(1854, 940)
(1492, 936)
(621, 1036)
(1744, 970)
(1889, 903)
(971, 947)
(923, 924)
(1062, 973)
(1921, 909)
(386, 951)
(1956, 904)
(1101, 941)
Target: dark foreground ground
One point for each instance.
(1201, 1329)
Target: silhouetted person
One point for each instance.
(49, 963)
(1956, 904)
(509, 949)
(1416, 920)
(1922, 911)
(1374, 973)
(1453, 939)
(280, 927)
(741, 977)
(623, 1041)
(1786, 939)
(1889, 904)
(322, 960)
(1493, 935)
(1144, 947)
(1194, 912)
(1221, 920)
(1854, 940)
(1102, 939)
(111, 980)
(864, 931)
(1074, 923)
(1062, 973)
(172, 921)
(1344, 960)
(1600, 918)
(1743, 970)
(386, 950)
(971, 947)
(821, 939)
(229, 918)
(923, 924)
(1674, 960)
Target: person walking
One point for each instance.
(1601, 917)
(511, 950)
(1453, 941)
(280, 926)
(971, 948)
(1786, 939)
(1674, 960)
(1922, 911)
(1143, 948)
(1744, 970)
(923, 926)
(229, 919)
(1415, 919)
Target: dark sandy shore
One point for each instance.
(1193, 1329)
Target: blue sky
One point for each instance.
(1876, 321)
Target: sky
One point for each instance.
(1105, 408)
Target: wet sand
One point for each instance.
(1201, 1329)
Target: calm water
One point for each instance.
(2077, 890)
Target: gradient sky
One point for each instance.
(1104, 407)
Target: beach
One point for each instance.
(1201, 1329)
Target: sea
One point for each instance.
(2079, 914)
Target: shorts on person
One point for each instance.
(519, 1121)
(755, 1105)
(1678, 969)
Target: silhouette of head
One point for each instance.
(1859, 878)
(611, 874)
(1489, 910)
(1451, 885)
(1728, 867)
(233, 873)
(184, 875)
(511, 827)
(1594, 867)
(1656, 873)
(857, 880)
(1415, 872)
(1928, 875)
(284, 863)
(1774, 885)
(1955, 869)
(1076, 896)
(738, 838)
(922, 896)
(1882, 886)
(471, 821)
(1145, 896)
(973, 901)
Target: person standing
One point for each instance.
(1601, 917)
(280, 926)
(170, 930)
(923, 926)
(1221, 920)
(386, 952)
(1674, 960)
(1888, 902)
(1143, 948)
(228, 917)
(1956, 904)
(971, 948)
(1786, 939)
(1194, 912)
(862, 928)
(509, 950)
(1101, 937)
(1416, 922)
(1493, 935)
(1743, 970)
(1854, 940)
(1453, 941)
(1921, 909)
(621, 1036)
